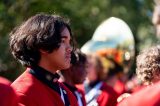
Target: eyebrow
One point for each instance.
(64, 37)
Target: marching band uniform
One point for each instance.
(148, 96)
(99, 94)
(79, 94)
(119, 87)
(38, 87)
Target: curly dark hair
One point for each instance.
(41, 31)
(148, 65)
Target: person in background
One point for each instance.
(148, 70)
(148, 65)
(76, 74)
(114, 70)
(43, 45)
(97, 92)
(146, 75)
(115, 77)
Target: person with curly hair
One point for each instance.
(148, 70)
(148, 65)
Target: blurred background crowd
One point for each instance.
(85, 17)
(114, 30)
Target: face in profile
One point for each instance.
(60, 58)
(91, 71)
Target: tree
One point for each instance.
(84, 15)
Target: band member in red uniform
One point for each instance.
(97, 92)
(7, 95)
(116, 77)
(43, 45)
(149, 96)
(76, 74)
(148, 70)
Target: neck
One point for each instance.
(47, 67)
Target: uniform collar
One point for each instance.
(72, 88)
(92, 84)
(50, 80)
(45, 74)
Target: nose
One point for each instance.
(69, 48)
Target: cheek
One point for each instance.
(82, 72)
(61, 50)
(91, 73)
(91, 70)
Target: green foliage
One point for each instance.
(85, 16)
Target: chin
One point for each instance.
(66, 66)
(79, 82)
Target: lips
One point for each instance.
(68, 57)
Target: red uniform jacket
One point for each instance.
(80, 94)
(149, 96)
(7, 95)
(119, 87)
(107, 97)
(32, 92)
(5, 81)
